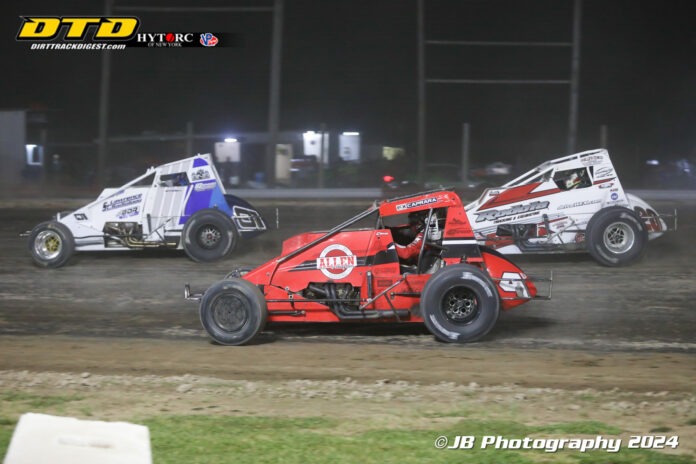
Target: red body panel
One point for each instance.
(497, 266)
(515, 194)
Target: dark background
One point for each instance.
(351, 64)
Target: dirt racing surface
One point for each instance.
(614, 345)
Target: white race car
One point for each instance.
(574, 203)
(178, 205)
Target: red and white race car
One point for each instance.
(574, 203)
(409, 259)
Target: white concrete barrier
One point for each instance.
(41, 438)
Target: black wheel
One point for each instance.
(51, 244)
(233, 311)
(460, 304)
(209, 235)
(616, 236)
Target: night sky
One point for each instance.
(351, 64)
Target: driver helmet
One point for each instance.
(573, 180)
(417, 220)
(434, 231)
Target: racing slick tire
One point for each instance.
(616, 236)
(209, 235)
(51, 244)
(233, 311)
(460, 304)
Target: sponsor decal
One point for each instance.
(650, 218)
(167, 39)
(80, 216)
(77, 32)
(448, 333)
(522, 216)
(203, 186)
(579, 203)
(199, 174)
(459, 232)
(416, 204)
(183, 39)
(494, 214)
(121, 202)
(247, 219)
(512, 282)
(603, 186)
(208, 40)
(603, 172)
(128, 212)
(591, 160)
(614, 196)
(336, 261)
(76, 27)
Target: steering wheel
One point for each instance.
(435, 245)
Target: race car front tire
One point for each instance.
(51, 244)
(209, 235)
(233, 311)
(616, 236)
(460, 304)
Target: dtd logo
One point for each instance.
(47, 27)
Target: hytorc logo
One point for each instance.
(76, 27)
(166, 39)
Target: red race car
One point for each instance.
(408, 259)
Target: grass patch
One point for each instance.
(578, 428)
(198, 439)
(691, 421)
(269, 440)
(7, 426)
(7, 422)
(36, 401)
(258, 440)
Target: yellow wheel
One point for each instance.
(51, 244)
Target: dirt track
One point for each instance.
(624, 337)
(139, 294)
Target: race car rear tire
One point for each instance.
(616, 236)
(51, 244)
(460, 304)
(209, 235)
(233, 311)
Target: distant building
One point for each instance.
(22, 140)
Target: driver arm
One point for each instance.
(410, 251)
